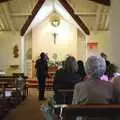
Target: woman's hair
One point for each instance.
(81, 69)
(111, 70)
(95, 66)
(80, 63)
(70, 64)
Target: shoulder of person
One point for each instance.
(36, 63)
(59, 72)
(116, 80)
(81, 84)
(107, 84)
(37, 60)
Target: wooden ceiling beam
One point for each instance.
(1, 28)
(107, 22)
(104, 2)
(74, 16)
(3, 18)
(1, 1)
(20, 14)
(102, 22)
(85, 13)
(79, 14)
(89, 13)
(31, 17)
(98, 15)
(1, 24)
(8, 16)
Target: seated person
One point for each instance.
(94, 90)
(112, 71)
(66, 78)
(81, 70)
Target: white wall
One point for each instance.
(81, 46)
(43, 40)
(103, 40)
(68, 41)
(115, 31)
(7, 42)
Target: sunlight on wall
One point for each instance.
(63, 31)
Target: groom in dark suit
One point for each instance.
(41, 72)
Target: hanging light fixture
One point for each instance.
(55, 19)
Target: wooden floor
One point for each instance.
(30, 108)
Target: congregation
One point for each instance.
(96, 82)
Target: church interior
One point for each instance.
(60, 28)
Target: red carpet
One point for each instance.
(34, 84)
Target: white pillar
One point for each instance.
(115, 31)
(22, 56)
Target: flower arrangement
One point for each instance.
(55, 62)
(52, 63)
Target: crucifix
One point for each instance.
(54, 35)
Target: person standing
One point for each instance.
(41, 73)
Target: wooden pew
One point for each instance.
(111, 111)
(66, 93)
(12, 82)
(8, 85)
(5, 106)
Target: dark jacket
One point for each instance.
(41, 67)
(64, 80)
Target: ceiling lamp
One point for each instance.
(55, 19)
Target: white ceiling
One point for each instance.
(14, 13)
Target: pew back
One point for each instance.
(112, 111)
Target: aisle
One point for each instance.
(29, 109)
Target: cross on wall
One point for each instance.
(55, 35)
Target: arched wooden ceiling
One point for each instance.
(14, 13)
(66, 6)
